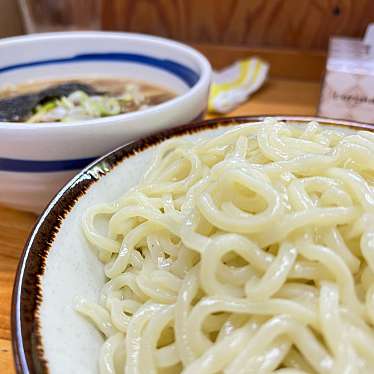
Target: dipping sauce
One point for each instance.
(77, 99)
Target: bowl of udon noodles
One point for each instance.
(237, 245)
(67, 98)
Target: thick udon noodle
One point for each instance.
(252, 252)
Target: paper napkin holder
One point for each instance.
(348, 86)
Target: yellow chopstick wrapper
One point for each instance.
(234, 84)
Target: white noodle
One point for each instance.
(252, 252)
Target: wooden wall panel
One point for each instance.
(159, 17)
(10, 19)
(306, 65)
(273, 23)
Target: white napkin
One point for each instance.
(234, 84)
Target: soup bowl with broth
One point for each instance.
(68, 98)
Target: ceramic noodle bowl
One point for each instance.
(58, 264)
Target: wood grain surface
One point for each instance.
(274, 23)
(15, 227)
(280, 95)
(284, 63)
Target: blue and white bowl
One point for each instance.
(37, 159)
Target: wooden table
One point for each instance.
(280, 95)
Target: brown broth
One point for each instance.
(113, 86)
(18, 96)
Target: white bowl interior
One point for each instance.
(70, 342)
(48, 56)
(121, 70)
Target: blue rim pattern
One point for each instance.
(50, 166)
(31, 166)
(189, 76)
